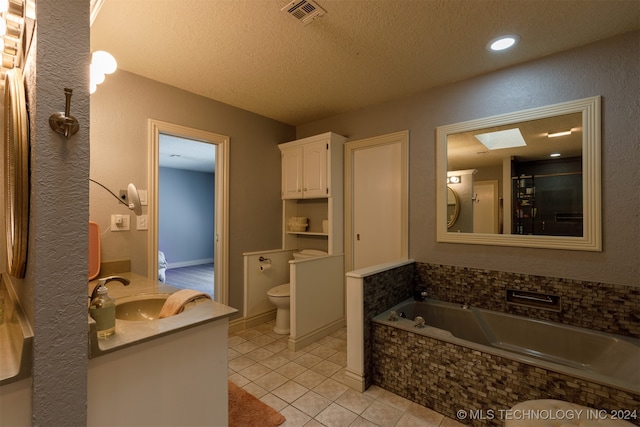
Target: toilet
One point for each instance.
(280, 295)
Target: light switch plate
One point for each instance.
(143, 197)
(142, 222)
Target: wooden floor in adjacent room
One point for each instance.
(198, 277)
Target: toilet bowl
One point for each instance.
(280, 297)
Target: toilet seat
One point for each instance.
(279, 291)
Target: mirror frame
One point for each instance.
(591, 239)
(16, 172)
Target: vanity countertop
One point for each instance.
(16, 337)
(130, 333)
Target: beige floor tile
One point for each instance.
(325, 368)
(361, 422)
(263, 340)
(239, 380)
(308, 360)
(354, 401)
(274, 362)
(448, 422)
(382, 414)
(255, 389)
(311, 382)
(394, 400)
(245, 347)
(271, 381)
(254, 371)
(323, 352)
(277, 346)
(291, 370)
(290, 391)
(339, 358)
(331, 389)
(240, 363)
(311, 403)
(410, 421)
(309, 379)
(234, 340)
(425, 414)
(259, 354)
(274, 401)
(294, 417)
(336, 416)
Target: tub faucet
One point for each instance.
(104, 281)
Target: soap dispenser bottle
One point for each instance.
(103, 311)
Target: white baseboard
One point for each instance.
(354, 380)
(297, 343)
(191, 263)
(239, 325)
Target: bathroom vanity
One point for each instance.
(170, 371)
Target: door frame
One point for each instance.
(221, 253)
(350, 149)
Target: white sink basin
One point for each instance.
(140, 307)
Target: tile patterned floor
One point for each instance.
(308, 388)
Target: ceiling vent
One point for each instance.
(304, 11)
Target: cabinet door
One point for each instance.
(314, 170)
(292, 173)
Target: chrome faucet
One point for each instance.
(104, 281)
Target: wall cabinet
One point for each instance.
(312, 187)
(308, 166)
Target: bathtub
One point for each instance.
(577, 352)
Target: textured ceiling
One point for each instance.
(249, 54)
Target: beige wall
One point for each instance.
(120, 110)
(609, 68)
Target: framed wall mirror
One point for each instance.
(16, 172)
(529, 178)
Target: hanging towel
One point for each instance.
(176, 301)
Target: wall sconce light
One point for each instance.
(101, 63)
(455, 179)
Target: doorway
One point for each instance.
(189, 147)
(485, 207)
(377, 207)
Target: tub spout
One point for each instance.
(106, 280)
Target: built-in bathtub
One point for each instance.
(467, 358)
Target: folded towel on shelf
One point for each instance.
(178, 300)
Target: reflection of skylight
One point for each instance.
(502, 139)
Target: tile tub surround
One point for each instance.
(602, 307)
(381, 291)
(448, 378)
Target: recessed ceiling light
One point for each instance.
(554, 155)
(502, 43)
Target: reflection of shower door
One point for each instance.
(485, 207)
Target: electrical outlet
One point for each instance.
(141, 222)
(120, 222)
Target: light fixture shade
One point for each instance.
(134, 199)
(104, 61)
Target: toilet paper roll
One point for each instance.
(264, 267)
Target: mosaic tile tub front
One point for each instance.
(449, 378)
